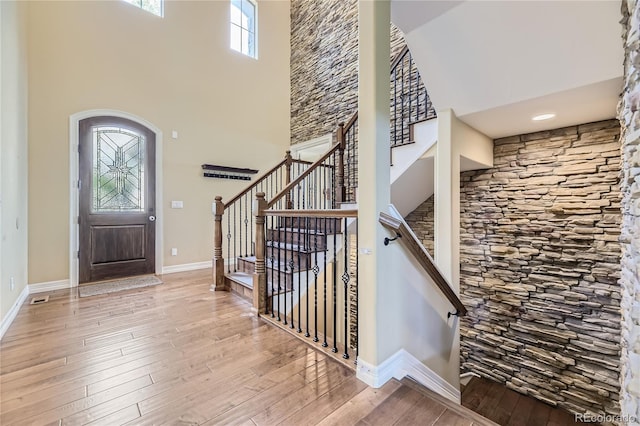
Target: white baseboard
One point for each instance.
(429, 379)
(186, 267)
(377, 375)
(402, 364)
(11, 315)
(49, 286)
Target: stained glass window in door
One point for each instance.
(118, 170)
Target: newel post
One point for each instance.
(219, 282)
(287, 179)
(260, 275)
(341, 190)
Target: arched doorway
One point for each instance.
(115, 174)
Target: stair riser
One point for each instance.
(312, 241)
(328, 226)
(245, 266)
(244, 292)
(248, 267)
(301, 261)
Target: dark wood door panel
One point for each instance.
(117, 243)
(125, 268)
(117, 199)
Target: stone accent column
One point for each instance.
(629, 115)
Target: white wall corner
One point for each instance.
(186, 267)
(11, 315)
(422, 374)
(49, 286)
(377, 375)
(402, 364)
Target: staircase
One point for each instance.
(288, 242)
(291, 249)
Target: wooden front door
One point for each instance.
(117, 199)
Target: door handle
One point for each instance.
(152, 218)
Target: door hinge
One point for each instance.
(78, 254)
(78, 220)
(78, 148)
(79, 183)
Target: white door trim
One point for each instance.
(74, 209)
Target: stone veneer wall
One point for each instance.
(540, 261)
(629, 115)
(421, 222)
(324, 65)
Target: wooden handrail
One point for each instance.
(407, 238)
(399, 57)
(262, 177)
(394, 64)
(299, 179)
(329, 213)
(351, 121)
(295, 160)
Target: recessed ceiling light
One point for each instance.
(541, 117)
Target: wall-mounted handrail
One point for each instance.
(414, 246)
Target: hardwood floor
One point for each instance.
(177, 353)
(506, 407)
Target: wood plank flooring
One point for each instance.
(509, 408)
(177, 353)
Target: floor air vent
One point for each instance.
(39, 300)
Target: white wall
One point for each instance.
(177, 73)
(457, 142)
(13, 153)
(420, 321)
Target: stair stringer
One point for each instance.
(412, 177)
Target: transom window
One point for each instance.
(153, 6)
(243, 27)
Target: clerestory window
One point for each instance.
(153, 6)
(243, 27)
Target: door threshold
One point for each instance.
(116, 279)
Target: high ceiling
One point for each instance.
(499, 63)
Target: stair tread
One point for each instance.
(322, 233)
(298, 230)
(292, 247)
(246, 280)
(279, 266)
(241, 278)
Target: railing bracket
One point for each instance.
(388, 240)
(450, 314)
